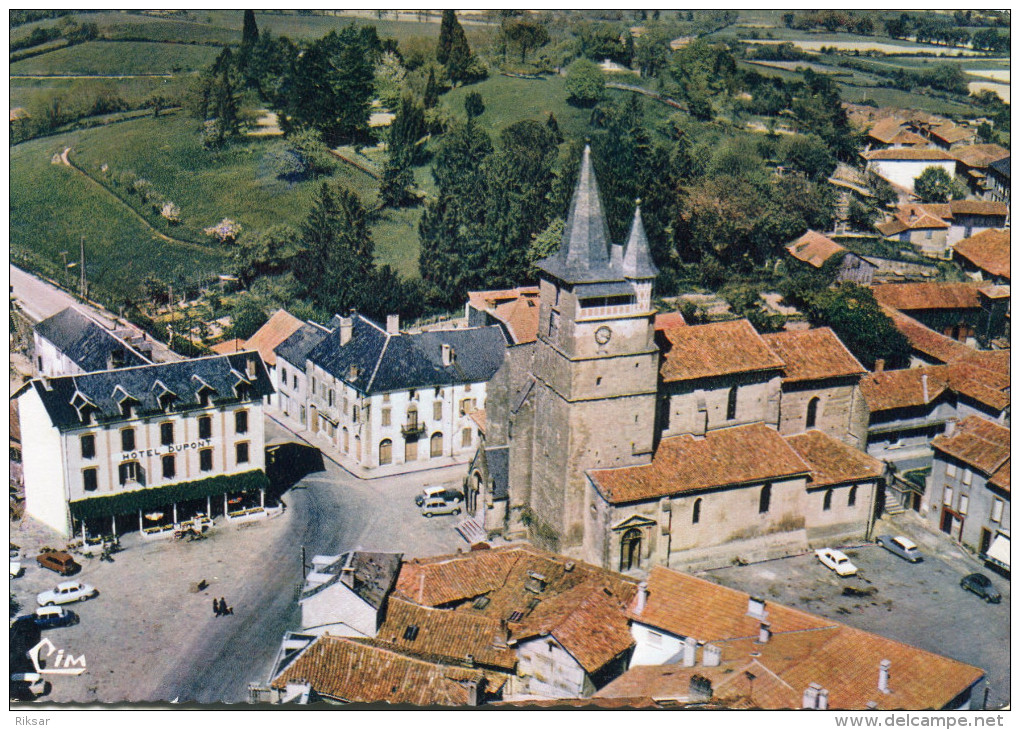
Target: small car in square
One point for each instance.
(981, 586)
(439, 506)
(67, 592)
(58, 562)
(901, 546)
(836, 561)
(52, 617)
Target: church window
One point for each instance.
(812, 413)
(630, 549)
(827, 501)
(851, 499)
(764, 499)
(696, 514)
(598, 381)
(731, 404)
(554, 323)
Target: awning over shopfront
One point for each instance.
(998, 551)
(156, 497)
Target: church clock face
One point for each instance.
(602, 335)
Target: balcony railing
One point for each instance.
(414, 428)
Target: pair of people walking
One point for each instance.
(220, 607)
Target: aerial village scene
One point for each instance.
(510, 359)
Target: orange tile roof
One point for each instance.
(986, 385)
(803, 649)
(909, 153)
(885, 130)
(977, 442)
(451, 635)
(833, 462)
(516, 308)
(589, 621)
(952, 134)
(927, 341)
(814, 248)
(904, 388)
(928, 295)
(980, 155)
(812, 355)
(1000, 478)
(479, 418)
(916, 217)
(987, 250)
(228, 347)
(279, 327)
(351, 671)
(729, 456)
(708, 350)
(668, 320)
(978, 207)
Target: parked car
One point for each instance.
(837, 561)
(27, 685)
(981, 586)
(902, 546)
(67, 592)
(434, 493)
(16, 568)
(52, 617)
(439, 506)
(58, 562)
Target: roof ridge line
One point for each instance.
(378, 362)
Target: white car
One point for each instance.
(837, 561)
(30, 682)
(16, 568)
(67, 592)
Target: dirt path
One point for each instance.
(65, 159)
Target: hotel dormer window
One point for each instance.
(127, 408)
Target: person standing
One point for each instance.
(216, 607)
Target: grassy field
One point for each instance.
(52, 207)
(120, 58)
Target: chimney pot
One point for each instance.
(711, 655)
(883, 676)
(392, 324)
(448, 355)
(764, 633)
(346, 330)
(823, 700)
(690, 651)
(756, 607)
(924, 386)
(642, 597)
(879, 365)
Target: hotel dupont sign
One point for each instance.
(164, 450)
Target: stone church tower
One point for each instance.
(590, 395)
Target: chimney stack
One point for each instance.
(690, 651)
(950, 428)
(448, 355)
(711, 655)
(823, 699)
(392, 324)
(764, 633)
(810, 700)
(346, 330)
(756, 607)
(642, 597)
(879, 365)
(924, 386)
(883, 676)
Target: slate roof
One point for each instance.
(987, 250)
(275, 331)
(452, 635)
(373, 575)
(923, 295)
(374, 361)
(296, 348)
(812, 355)
(803, 649)
(980, 155)
(584, 256)
(709, 350)
(815, 249)
(726, 457)
(977, 442)
(352, 671)
(184, 379)
(833, 462)
(498, 460)
(85, 342)
(1001, 167)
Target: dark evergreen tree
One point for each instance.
(473, 105)
(554, 128)
(334, 265)
(431, 96)
(249, 40)
(446, 23)
(406, 132)
(453, 50)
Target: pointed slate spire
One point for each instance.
(586, 236)
(637, 259)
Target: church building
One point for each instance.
(603, 442)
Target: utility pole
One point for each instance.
(83, 287)
(63, 256)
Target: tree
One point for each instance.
(934, 185)
(554, 127)
(474, 106)
(453, 51)
(246, 317)
(406, 132)
(249, 40)
(526, 35)
(335, 260)
(431, 96)
(586, 84)
(265, 253)
(808, 154)
(856, 318)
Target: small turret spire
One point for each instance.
(637, 259)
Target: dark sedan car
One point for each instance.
(51, 617)
(980, 585)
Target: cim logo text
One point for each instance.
(62, 663)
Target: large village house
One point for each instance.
(72, 342)
(985, 256)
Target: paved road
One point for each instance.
(920, 604)
(39, 299)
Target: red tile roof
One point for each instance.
(516, 308)
(927, 341)
(708, 350)
(909, 153)
(1001, 477)
(928, 295)
(885, 130)
(479, 418)
(916, 217)
(668, 320)
(989, 386)
(833, 462)
(978, 207)
(812, 355)
(977, 442)
(980, 155)
(951, 134)
(729, 456)
(802, 649)
(352, 671)
(904, 388)
(814, 248)
(228, 347)
(279, 327)
(988, 251)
